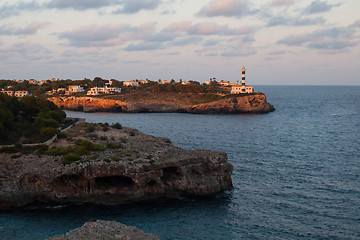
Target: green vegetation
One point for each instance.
(116, 126)
(19, 149)
(29, 118)
(74, 154)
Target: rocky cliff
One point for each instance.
(133, 167)
(253, 103)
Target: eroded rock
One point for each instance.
(253, 103)
(106, 230)
(141, 168)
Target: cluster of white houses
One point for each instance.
(109, 89)
(18, 94)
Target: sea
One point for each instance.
(296, 173)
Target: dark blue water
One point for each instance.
(296, 173)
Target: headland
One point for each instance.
(98, 163)
(165, 102)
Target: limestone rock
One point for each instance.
(143, 168)
(106, 230)
(253, 103)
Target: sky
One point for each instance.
(280, 42)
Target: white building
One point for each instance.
(21, 94)
(18, 94)
(132, 83)
(76, 89)
(237, 89)
(103, 90)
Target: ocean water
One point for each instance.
(296, 173)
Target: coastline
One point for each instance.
(115, 165)
(252, 103)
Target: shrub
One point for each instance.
(61, 136)
(105, 128)
(116, 159)
(89, 145)
(9, 150)
(103, 138)
(114, 146)
(41, 149)
(19, 146)
(116, 125)
(81, 150)
(90, 128)
(70, 158)
(58, 151)
(47, 132)
(15, 156)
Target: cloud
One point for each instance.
(127, 6)
(97, 35)
(319, 7)
(356, 24)
(134, 6)
(211, 42)
(333, 38)
(144, 46)
(132, 62)
(335, 44)
(211, 28)
(173, 53)
(239, 52)
(248, 39)
(281, 52)
(8, 10)
(81, 4)
(163, 37)
(207, 28)
(186, 41)
(227, 8)
(179, 26)
(30, 29)
(28, 51)
(294, 21)
(281, 3)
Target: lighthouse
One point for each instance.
(242, 89)
(243, 76)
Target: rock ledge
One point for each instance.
(136, 168)
(106, 230)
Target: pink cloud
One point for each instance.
(179, 26)
(280, 3)
(356, 24)
(229, 8)
(208, 28)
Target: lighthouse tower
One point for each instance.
(243, 76)
(241, 89)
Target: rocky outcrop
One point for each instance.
(89, 104)
(106, 230)
(255, 103)
(136, 167)
(252, 103)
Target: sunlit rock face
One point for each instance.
(254, 103)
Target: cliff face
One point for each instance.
(255, 103)
(144, 168)
(89, 104)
